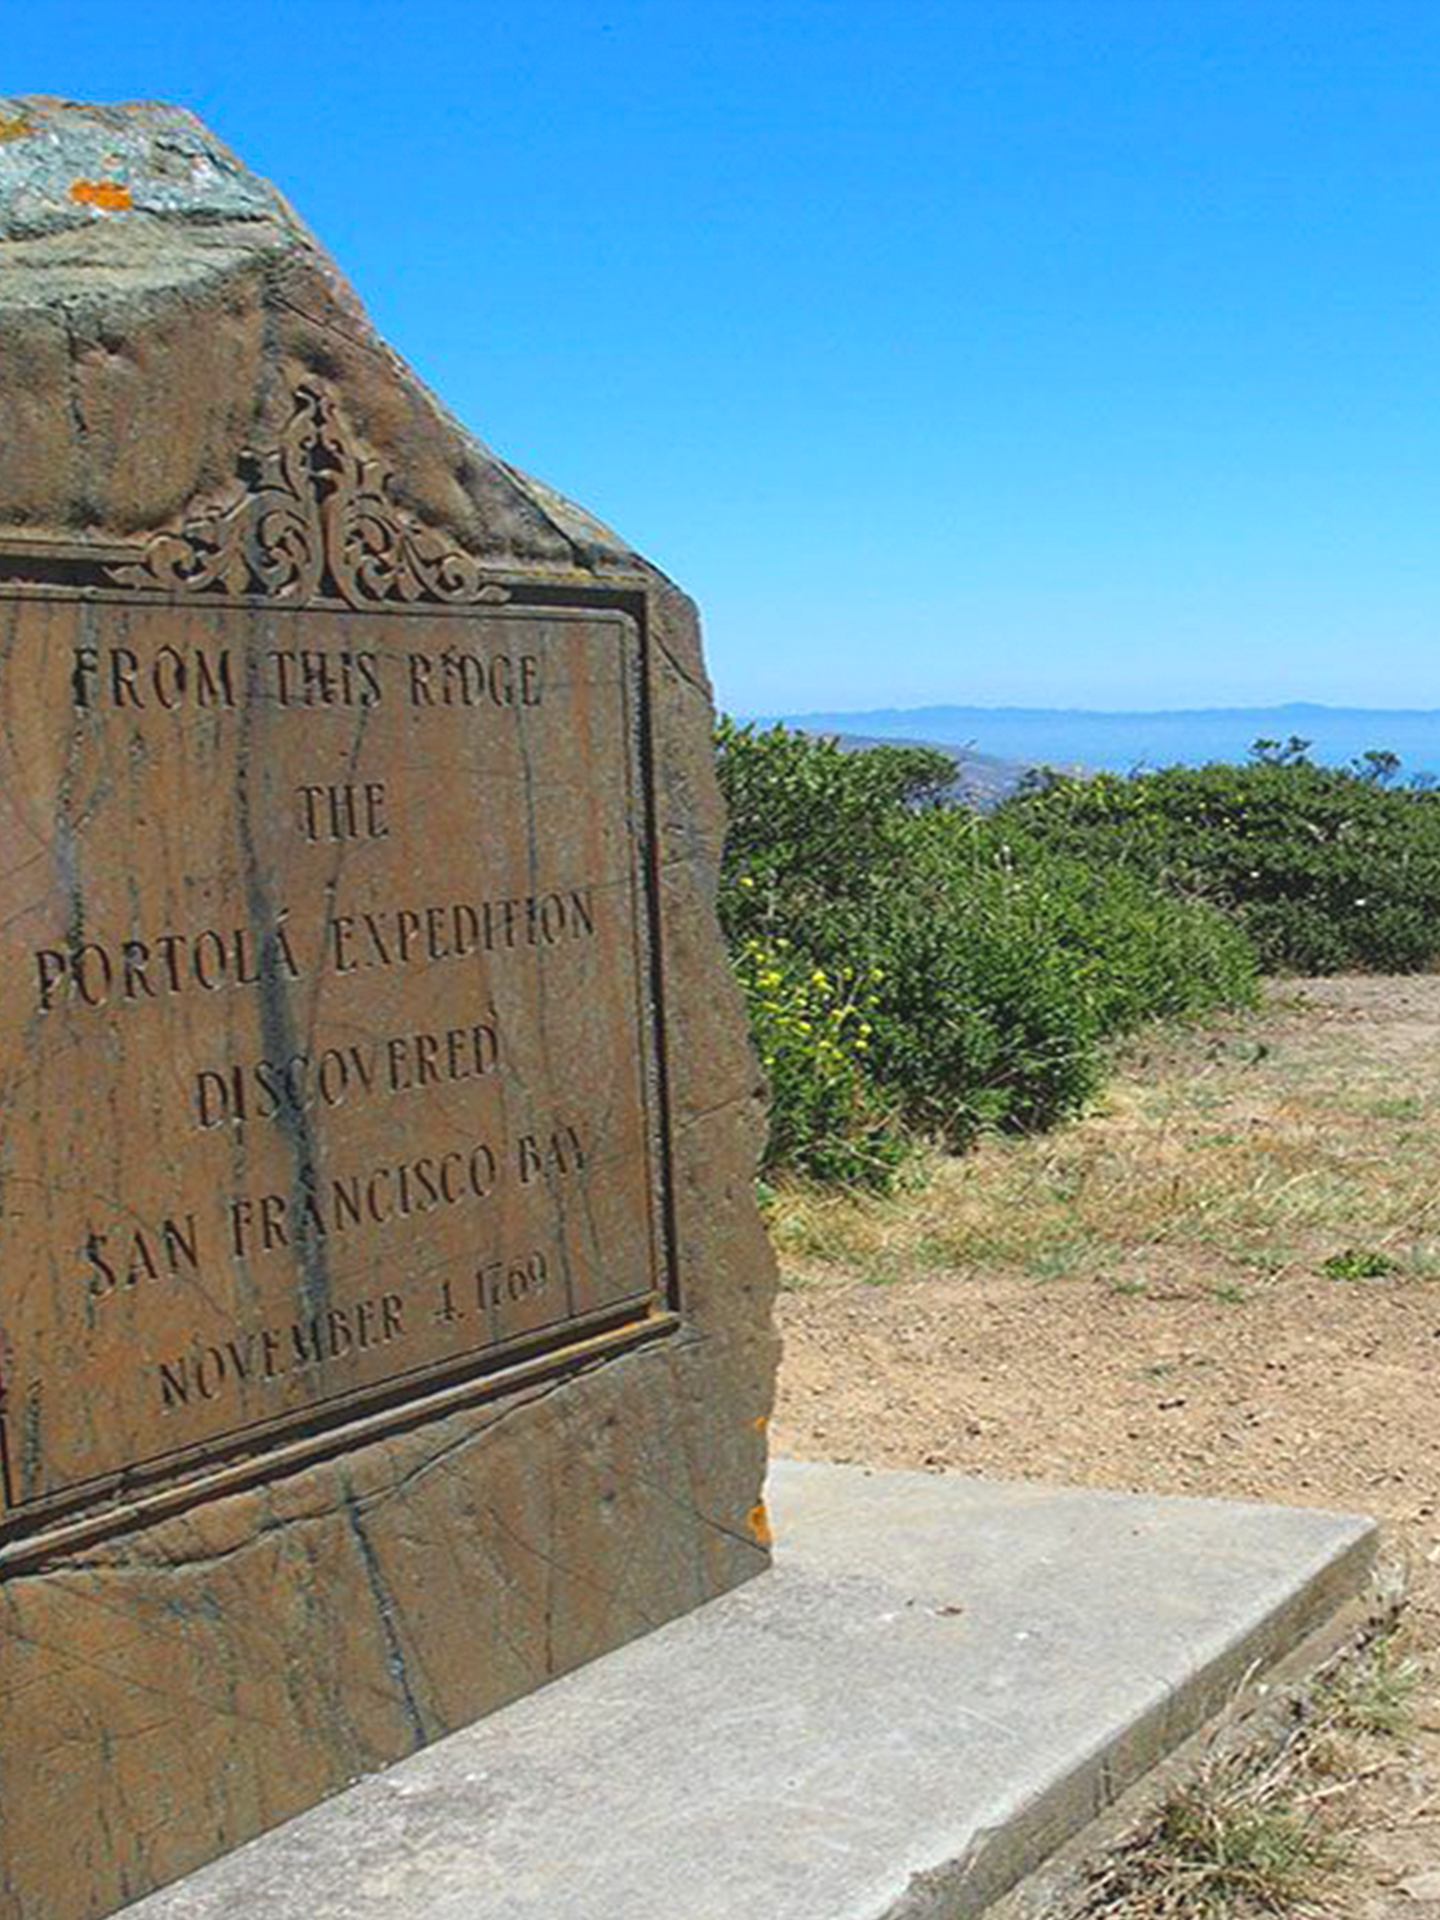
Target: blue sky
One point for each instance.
(1055, 352)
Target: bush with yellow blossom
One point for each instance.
(812, 1029)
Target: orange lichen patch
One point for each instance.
(15, 126)
(109, 195)
(758, 1521)
(762, 1420)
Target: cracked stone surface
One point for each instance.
(200, 1668)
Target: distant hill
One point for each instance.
(982, 780)
(1121, 742)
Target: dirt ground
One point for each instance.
(1226, 1280)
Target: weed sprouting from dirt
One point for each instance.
(1229, 1292)
(1261, 1830)
(1360, 1263)
(1220, 1849)
(1374, 1693)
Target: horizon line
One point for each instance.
(1105, 713)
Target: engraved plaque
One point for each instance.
(327, 1038)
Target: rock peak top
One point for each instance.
(67, 164)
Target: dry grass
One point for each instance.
(1181, 1159)
(1263, 1830)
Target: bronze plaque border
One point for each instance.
(33, 1531)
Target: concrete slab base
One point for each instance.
(941, 1681)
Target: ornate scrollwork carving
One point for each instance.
(315, 517)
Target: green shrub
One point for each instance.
(969, 975)
(1139, 953)
(1007, 968)
(1324, 869)
(979, 1020)
(810, 825)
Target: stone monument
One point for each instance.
(384, 1315)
